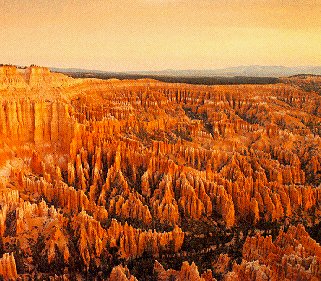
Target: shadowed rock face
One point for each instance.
(139, 179)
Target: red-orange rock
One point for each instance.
(175, 164)
(8, 267)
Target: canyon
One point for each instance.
(147, 180)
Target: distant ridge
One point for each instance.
(248, 71)
(245, 71)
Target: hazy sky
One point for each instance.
(121, 35)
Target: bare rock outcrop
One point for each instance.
(294, 255)
(8, 267)
(99, 174)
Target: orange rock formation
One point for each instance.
(100, 178)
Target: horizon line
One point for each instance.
(161, 70)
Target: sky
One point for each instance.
(120, 35)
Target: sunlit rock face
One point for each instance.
(294, 255)
(145, 180)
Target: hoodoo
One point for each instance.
(147, 180)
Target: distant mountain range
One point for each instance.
(247, 71)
